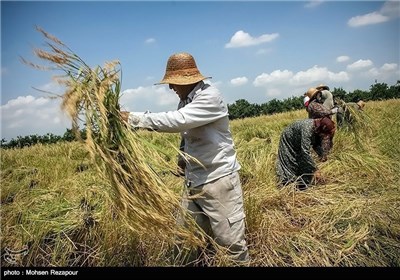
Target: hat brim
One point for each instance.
(182, 80)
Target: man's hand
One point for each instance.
(124, 115)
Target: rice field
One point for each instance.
(58, 209)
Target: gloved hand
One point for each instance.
(334, 110)
(124, 115)
(133, 118)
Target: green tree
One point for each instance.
(394, 91)
(356, 95)
(339, 93)
(242, 109)
(379, 91)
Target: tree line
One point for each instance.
(243, 109)
(238, 110)
(49, 138)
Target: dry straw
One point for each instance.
(129, 163)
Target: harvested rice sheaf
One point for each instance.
(92, 96)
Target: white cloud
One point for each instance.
(389, 67)
(152, 98)
(239, 81)
(311, 75)
(318, 75)
(28, 115)
(385, 72)
(243, 39)
(284, 83)
(389, 10)
(150, 41)
(338, 77)
(373, 72)
(371, 18)
(360, 64)
(275, 77)
(342, 58)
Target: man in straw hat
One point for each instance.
(214, 193)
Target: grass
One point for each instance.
(55, 202)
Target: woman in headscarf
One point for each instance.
(294, 161)
(316, 107)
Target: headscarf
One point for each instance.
(306, 101)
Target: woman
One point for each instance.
(294, 160)
(316, 107)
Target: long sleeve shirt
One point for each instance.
(204, 125)
(317, 110)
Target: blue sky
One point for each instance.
(256, 50)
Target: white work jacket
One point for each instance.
(202, 119)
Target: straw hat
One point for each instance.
(311, 92)
(361, 104)
(322, 86)
(182, 70)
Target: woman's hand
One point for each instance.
(318, 178)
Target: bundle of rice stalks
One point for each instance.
(355, 116)
(128, 162)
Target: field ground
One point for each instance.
(55, 204)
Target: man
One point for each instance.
(294, 161)
(214, 193)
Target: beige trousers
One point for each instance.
(217, 207)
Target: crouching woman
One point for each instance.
(295, 163)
